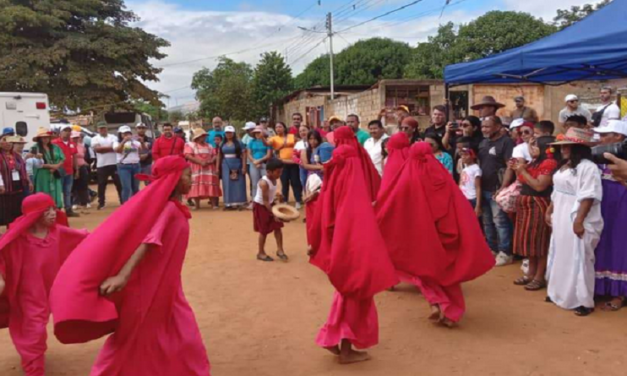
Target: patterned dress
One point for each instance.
(205, 179)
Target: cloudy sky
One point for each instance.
(201, 30)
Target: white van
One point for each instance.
(24, 112)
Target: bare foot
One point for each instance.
(354, 357)
(335, 350)
(447, 323)
(436, 313)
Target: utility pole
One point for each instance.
(330, 35)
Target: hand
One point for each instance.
(2, 285)
(128, 138)
(519, 166)
(39, 156)
(478, 211)
(2, 190)
(243, 172)
(31, 187)
(618, 166)
(449, 127)
(112, 284)
(578, 229)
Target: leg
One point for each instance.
(116, 181)
(255, 175)
(135, 182)
(278, 235)
(348, 355)
(102, 185)
(285, 183)
(29, 337)
(261, 253)
(197, 203)
(296, 186)
(488, 222)
(125, 179)
(503, 228)
(68, 182)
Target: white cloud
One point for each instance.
(544, 9)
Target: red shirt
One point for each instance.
(69, 151)
(167, 146)
(293, 130)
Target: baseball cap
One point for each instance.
(263, 120)
(8, 131)
(571, 97)
(516, 123)
(65, 126)
(613, 126)
(250, 125)
(519, 98)
(125, 129)
(178, 130)
(101, 124)
(140, 125)
(75, 134)
(229, 128)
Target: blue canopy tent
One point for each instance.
(594, 48)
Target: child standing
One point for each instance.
(264, 221)
(470, 180)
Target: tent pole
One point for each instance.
(447, 101)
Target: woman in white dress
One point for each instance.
(575, 214)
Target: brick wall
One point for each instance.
(366, 105)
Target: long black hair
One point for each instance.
(40, 147)
(543, 143)
(437, 139)
(577, 154)
(236, 143)
(315, 134)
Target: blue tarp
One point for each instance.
(594, 48)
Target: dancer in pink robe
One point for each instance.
(126, 279)
(31, 253)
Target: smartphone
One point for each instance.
(454, 125)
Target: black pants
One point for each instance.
(80, 189)
(291, 175)
(103, 178)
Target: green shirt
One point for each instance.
(362, 136)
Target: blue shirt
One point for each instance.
(212, 135)
(258, 149)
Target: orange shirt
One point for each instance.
(283, 146)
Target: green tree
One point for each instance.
(225, 91)
(363, 63)
(489, 34)
(157, 113)
(567, 17)
(272, 81)
(82, 53)
(175, 116)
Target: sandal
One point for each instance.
(583, 311)
(611, 306)
(524, 280)
(264, 258)
(535, 285)
(282, 256)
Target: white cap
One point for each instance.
(250, 125)
(516, 123)
(229, 128)
(571, 97)
(141, 125)
(125, 129)
(613, 126)
(65, 126)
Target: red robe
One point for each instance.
(29, 266)
(349, 248)
(431, 232)
(398, 149)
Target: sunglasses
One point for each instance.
(526, 132)
(574, 101)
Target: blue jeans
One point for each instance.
(67, 182)
(496, 224)
(146, 170)
(303, 173)
(130, 184)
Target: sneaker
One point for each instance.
(525, 266)
(88, 206)
(100, 207)
(297, 206)
(74, 207)
(502, 259)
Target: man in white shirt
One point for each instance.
(524, 129)
(373, 144)
(608, 109)
(573, 107)
(106, 162)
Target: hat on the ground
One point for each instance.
(575, 136)
(519, 98)
(42, 132)
(571, 97)
(285, 212)
(197, 133)
(141, 125)
(249, 126)
(613, 126)
(75, 134)
(8, 131)
(125, 129)
(488, 100)
(229, 129)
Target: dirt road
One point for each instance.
(260, 319)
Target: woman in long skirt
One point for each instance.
(14, 182)
(575, 214)
(48, 176)
(232, 158)
(532, 235)
(205, 179)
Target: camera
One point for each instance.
(454, 125)
(618, 149)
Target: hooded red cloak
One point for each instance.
(398, 149)
(345, 136)
(349, 246)
(429, 227)
(80, 313)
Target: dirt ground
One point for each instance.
(261, 319)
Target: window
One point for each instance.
(21, 128)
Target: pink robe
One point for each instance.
(157, 333)
(351, 319)
(30, 265)
(450, 299)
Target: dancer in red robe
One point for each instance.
(125, 279)
(431, 233)
(398, 149)
(351, 251)
(345, 136)
(31, 253)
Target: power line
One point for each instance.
(307, 53)
(381, 15)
